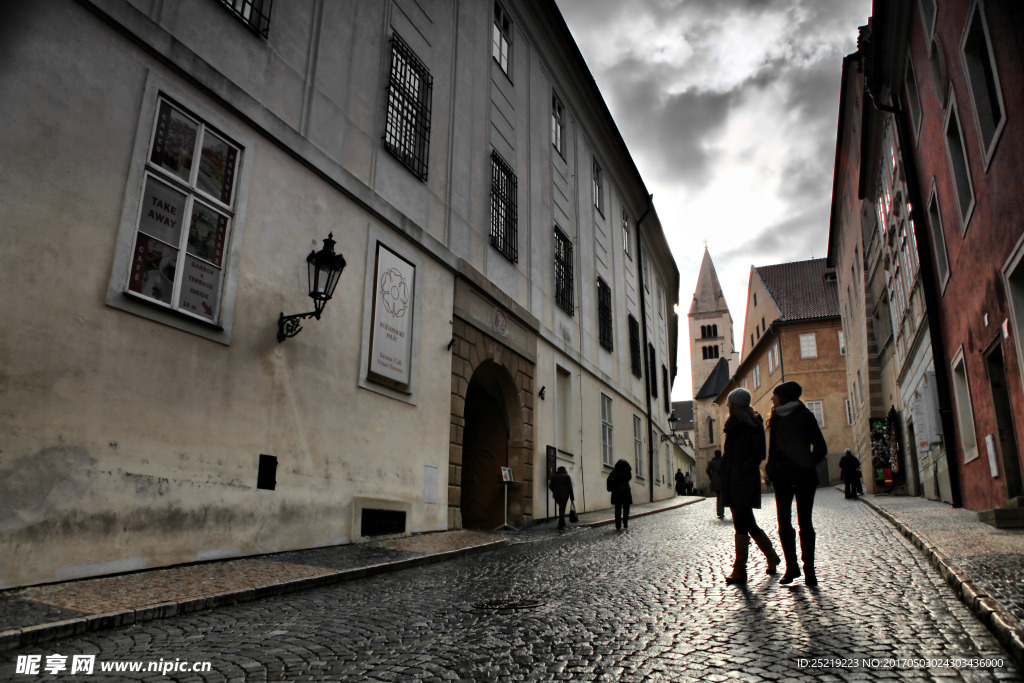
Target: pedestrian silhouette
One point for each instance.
(795, 447)
(622, 493)
(561, 489)
(680, 482)
(714, 472)
(849, 465)
(741, 482)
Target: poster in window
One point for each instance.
(163, 210)
(153, 269)
(391, 324)
(206, 234)
(174, 141)
(200, 288)
(217, 168)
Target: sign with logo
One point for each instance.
(391, 331)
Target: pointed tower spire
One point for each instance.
(708, 296)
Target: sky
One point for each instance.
(729, 109)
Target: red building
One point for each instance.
(951, 74)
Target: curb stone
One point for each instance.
(999, 620)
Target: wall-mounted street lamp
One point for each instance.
(324, 272)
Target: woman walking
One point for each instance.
(622, 493)
(795, 448)
(741, 482)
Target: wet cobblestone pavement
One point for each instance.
(592, 604)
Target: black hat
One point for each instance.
(562, 469)
(788, 391)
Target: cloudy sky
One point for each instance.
(729, 108)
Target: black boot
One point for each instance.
(807, 555)
(787, 539)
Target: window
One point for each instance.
(757, 376)
(939, 74)
(849, 412)
(501, 48)
(625, 234)
(771, 361)
(842, 343)
(504, 220)
(957, 154)
(665, 389)
(913, 98)
(638, 447)
(563, 271)
(928, 11)
(604, 314)
(755, 298)
(652, 378)
(607, 456)
(816, 408)
(808, 346)
(711, 430)
(563, 409)
(185, 214)
(964, 412)
(598, 187)
(557, 124)
(408, 124)
(980, 65)
(255, 13)
(634, 347)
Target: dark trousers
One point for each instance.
(743, 521)
(785, 492)
(719, 505)
(621, 515)
(561, 503)
(851, 488)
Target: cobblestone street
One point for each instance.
(592, 604)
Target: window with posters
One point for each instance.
(185, 215)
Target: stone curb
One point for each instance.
(634, 515)
(1000, 621)
(40, 633)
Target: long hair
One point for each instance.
(743, 413)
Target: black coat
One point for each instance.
(795, 446)
(561, 486)
(741, 464)
(850, 467)
(714, 472)
(618, 483)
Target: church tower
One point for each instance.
(713, 359)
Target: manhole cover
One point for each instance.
(504, 605)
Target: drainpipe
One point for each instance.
(931, 299)
(643, 349)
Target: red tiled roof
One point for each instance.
(802, 289)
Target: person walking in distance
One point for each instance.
(795, 447)
(714, 472)
(622, 492)
(849, 466)
(561, 490)
(741, 482)
(680, 482)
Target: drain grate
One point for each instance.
(506, 605)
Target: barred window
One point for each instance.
(407, 136)
(634, 347)
(652, 379)
(604, 314)
(557, 124)
(255, 13)
(501, 47)
(563, 271)
(504, 220)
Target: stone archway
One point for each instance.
(502, 396)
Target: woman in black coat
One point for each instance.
(741, 482)
(622, 493)
(795, 448)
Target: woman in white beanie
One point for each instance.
(741, 482)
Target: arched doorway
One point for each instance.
(484, 449)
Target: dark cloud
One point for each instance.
(798, 236)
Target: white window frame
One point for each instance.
(808, 345)
(607, 431)
(756, 372)
(842, 342)
(964, 411)
(625, 235)
(118, 296)
(817, 408)
(557, 124)
(849, 412)
(501, 39)
(928, 21)
(913, 94)
(977, 12)
(934, 217)
(597, 177)
(963, 212)
(638, 445)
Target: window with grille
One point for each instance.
(501, 44)
(563, 271)
(652, 379)
(407, 136)
(604, 314)
(634, 347)
(557, 124)
(607, 455)
(255, 13)
(504, 221)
